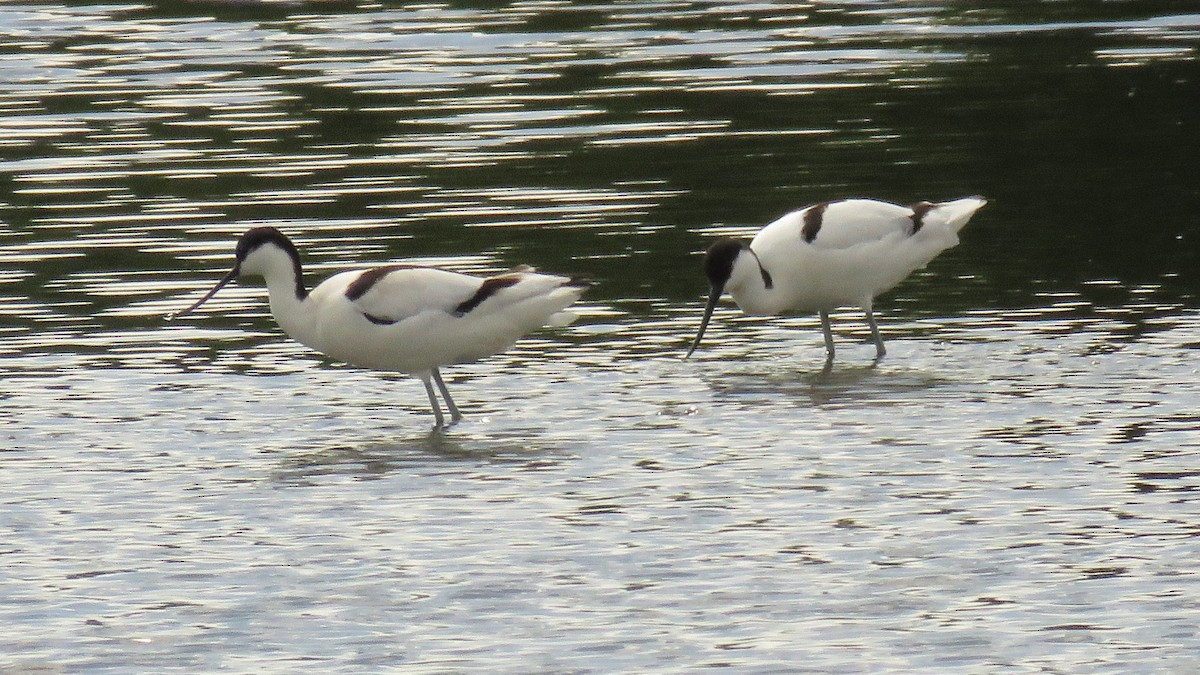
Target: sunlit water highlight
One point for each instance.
(1013, 487)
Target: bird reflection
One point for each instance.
(434, 450)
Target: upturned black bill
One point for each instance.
(233, 274)
(713, 298)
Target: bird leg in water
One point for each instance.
(879, 350)
(825, 328)
(455, 415)
(438, 420)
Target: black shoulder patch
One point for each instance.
(487, 289)
(368, 279)
(812, 221)
(918, 216)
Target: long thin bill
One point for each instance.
(233, 274)
(713, 298)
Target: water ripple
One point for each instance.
(1015, 484)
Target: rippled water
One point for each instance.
(1012, 488)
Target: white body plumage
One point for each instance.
(406, 322)
(830, 255)
(401, 318)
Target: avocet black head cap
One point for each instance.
(257, 237)
(718, 267)
(718, 260)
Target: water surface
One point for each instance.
(1012, 488)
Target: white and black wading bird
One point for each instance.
(829, 255)
(401, 318)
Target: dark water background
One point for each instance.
(1014, 488)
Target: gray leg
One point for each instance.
(438, 420)
(828, 337)
(455, 415)
(879, 350)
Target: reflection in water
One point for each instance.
(778, 381)
(1012, 484)
(438, 451)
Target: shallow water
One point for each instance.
(1012, 488)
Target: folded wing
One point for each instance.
(388, 295)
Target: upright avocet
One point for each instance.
(830, 255)
(401, 318)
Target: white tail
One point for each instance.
(955, 214)
(560, 319)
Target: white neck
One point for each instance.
(286, 307)
(280, 272)
(749, 289)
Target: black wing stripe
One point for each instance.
(379, 320)
(487, 289)
(812, 221)
(367, 280)
(918, 214)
